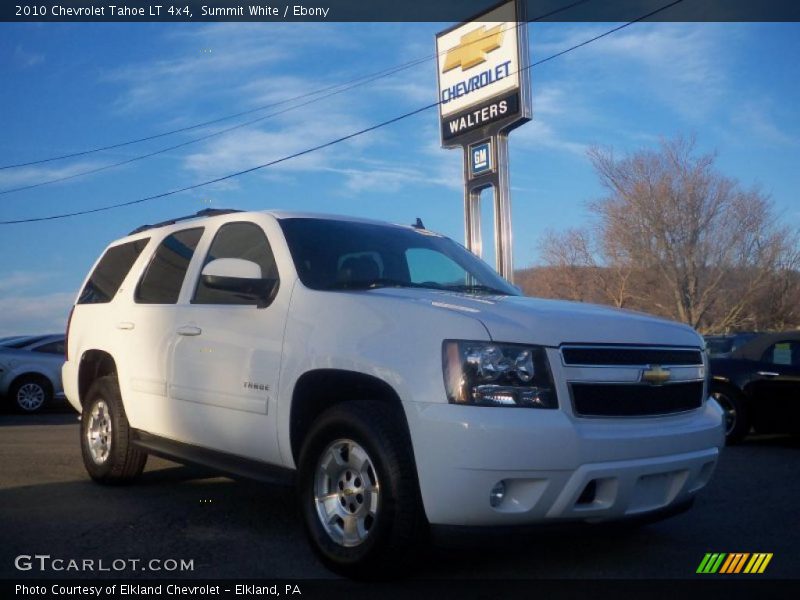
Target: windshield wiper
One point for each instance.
(372, 284)
(476, 287)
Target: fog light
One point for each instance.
(497, 494)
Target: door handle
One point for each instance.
(189, 330)
(125, 325)
(768, 374)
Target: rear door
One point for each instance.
(147, 324)
(225, 360)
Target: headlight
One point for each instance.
(489, 374)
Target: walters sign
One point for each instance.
(482, 71)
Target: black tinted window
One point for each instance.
(783, 353)
(162, 281)
(237, 240)
(22, 342)
(51, 348)
(110, 272)
(333, 254)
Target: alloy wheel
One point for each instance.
(98, 432)
(30, 396)
(346, 492)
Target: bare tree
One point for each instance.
(675, 237)
(571, 256)
(582, 271)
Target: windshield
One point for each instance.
(724, 345)
(718, 346)
(331, 255)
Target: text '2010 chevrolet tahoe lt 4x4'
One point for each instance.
(393, 375)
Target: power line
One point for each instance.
(331, 142)
(213, 121)
(361, 80)
(342, 88)
(231, 175)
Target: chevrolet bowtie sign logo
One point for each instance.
(656, 375)
(473, 48)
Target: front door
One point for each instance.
(223, 374)
(776, 392)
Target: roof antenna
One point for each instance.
(418, 224)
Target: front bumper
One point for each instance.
(547, 459)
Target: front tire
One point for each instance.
(30, 393)
(737, 421)
(108, 454)
(358, 490)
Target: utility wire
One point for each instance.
(198, 139)
(342, 88)
(358, 81)
(331, 142)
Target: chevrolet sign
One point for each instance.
(479, 70)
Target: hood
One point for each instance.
(521, 319)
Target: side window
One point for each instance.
(51, 348)
(163, 278)
(429, 265)
(783, 353)
(110, 272)
(237, 240)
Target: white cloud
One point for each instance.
(12, 178)
(247, 148)
(386, 179)
(213, 60)
(682, 65)
(757, 119)
(542, 135)
(35, 314)
(16, 280)
(24, 59)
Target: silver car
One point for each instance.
(30, 370)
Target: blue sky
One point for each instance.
(67, 87)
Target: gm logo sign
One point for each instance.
(480, 158)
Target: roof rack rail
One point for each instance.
(206, 212)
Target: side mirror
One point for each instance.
(242, 279)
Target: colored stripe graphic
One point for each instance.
(758, 563)
(734, 563)
(711, 562)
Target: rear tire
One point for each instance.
(108, 454)
(737, 421)
(30, 394)
(358, 491)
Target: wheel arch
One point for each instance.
(93, 365)
(320, 389)
(733, 386)
(25, 373)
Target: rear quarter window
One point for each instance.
(110, 272)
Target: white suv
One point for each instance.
(395, 377)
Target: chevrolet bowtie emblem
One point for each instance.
(656, 375)
(473, 48)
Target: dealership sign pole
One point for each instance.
(484, 93)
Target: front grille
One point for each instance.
(633, 400)
(627, 355)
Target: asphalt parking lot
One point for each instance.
(241, 529)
